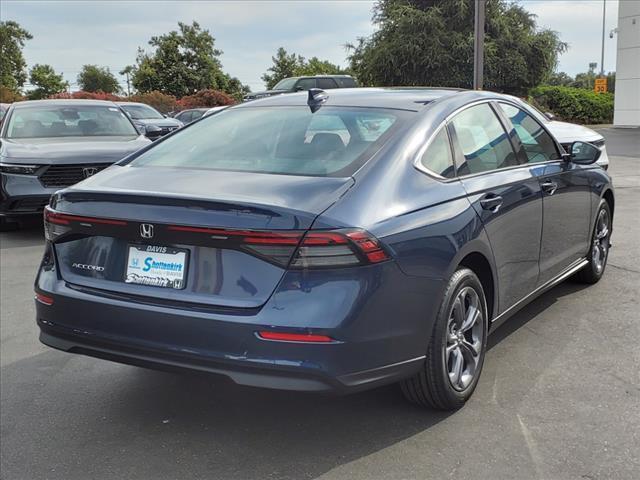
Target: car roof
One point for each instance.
(406, 98)
(65, 102)
(124, 104)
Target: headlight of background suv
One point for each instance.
(18, 169)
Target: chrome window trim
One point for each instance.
(418, 164)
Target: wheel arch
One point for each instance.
(608, 196)
(480, 265)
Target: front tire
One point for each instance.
(600, 243)
(455, 353)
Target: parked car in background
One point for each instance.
(47, 145)
(149, 121)
(3, 109)
(567, 133)
(326, 241)
(188, 116)
(296, 84)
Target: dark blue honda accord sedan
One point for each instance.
(325, 241)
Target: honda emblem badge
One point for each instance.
(89, 171)
(146, 230)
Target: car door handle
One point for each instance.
(491, 202)
(549, 187)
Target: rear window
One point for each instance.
(333, 141)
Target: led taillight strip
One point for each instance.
(64, 219)
(247, 236)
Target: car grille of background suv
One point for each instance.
(67, 175)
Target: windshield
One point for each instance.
(333, 141)
(286, 84)
(69, 121)
(140, 112)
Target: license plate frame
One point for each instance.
(167, 267)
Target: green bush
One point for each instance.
(574, 104)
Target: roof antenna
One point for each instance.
(316, 98)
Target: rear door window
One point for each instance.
(482, 140)
(326, 83)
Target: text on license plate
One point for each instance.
(156, 266)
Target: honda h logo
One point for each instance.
(146, 230)
(89, 171)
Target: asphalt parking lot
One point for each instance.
(559, 397)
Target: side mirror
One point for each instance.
(153, 132)
(550, 115)
(584, 153)
(299, 88)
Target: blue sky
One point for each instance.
(69, 34)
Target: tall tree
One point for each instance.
(430, 42)
(182, 63)
(12, 64)
(284, 65)
(46, 81)
(292, 65)
(93, 78)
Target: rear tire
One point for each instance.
(600, 243)
(455, 353)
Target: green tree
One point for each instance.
(284, 65)
(292, 65)
(12, 64)
(93, 78)
(46, 81)
(128, 72)
(560, 79)
(182, 63)
(430, 42)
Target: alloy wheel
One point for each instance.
(600, 247)
(465, 335)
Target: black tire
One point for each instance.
(593, 272)
(432, 387)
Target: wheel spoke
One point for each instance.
(602, 233)
(458, 312)
(472, 317)
(455, 371)
(472, 349)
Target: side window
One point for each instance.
(196, 114)
(536, 142)
(326, 83)
(482, 140)
(306, 83)
(185, 117)
(438, 157)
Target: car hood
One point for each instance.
(70, 149)
(570, 132)
(159, 122)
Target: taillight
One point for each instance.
(57, 224)
(294, 337)
(338, 248)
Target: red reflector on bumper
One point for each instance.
(44, 299)
(295, 337)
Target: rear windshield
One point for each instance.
(69, 121)
(333, 141)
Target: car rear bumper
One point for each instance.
(380, 328)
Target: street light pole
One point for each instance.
(604, 13)
(478, 45)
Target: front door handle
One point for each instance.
(491, 202)
(549, 187)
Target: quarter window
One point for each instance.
(484, 143)
(536, 142)
(437, 158)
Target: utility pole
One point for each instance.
(478, 45)
(604, 13)
(128, 85)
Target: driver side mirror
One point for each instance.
(583, 153)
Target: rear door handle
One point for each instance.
(549, 187)
(491, 202)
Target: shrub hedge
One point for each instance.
(575, 105)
